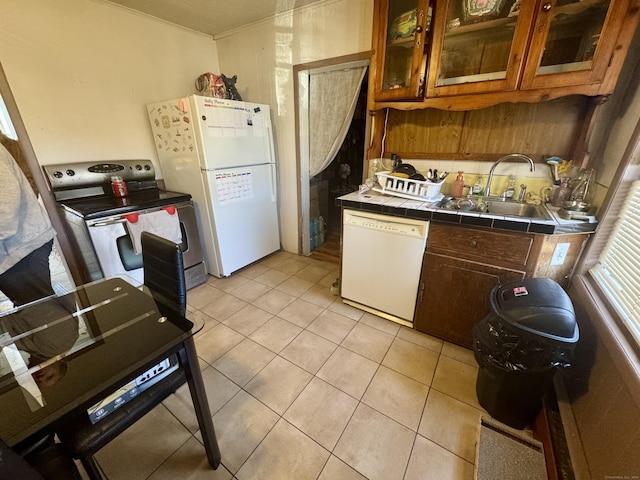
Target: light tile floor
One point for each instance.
(302, 386)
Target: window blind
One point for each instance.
(618, 269)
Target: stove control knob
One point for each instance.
(70, 172)
(138, 167)
(147, 167)
(58, 174)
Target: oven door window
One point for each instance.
(132, 260)
(105, 239)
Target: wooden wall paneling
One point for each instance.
(615, 424)
(583, 392)
(423, 133)
(626, 459)
(503, 128)
(603, 387)
(464, 140)
(580, 147)
(374, 149)
(555, 127)
(610, 427)
(546, 128)
(588, 409)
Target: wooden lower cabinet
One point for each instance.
(456, 296)
(463, 264)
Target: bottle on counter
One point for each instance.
(576, 177)
(458, 185)
(562, 193)
(511, 188)
(583, 191)
(478, 187)
(375, 166)
(119, 187)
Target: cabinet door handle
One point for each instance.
(546, 7)
(473, 243)
(419, 29)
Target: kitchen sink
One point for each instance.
(496, 206)
(517, 210)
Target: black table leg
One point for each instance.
(200, 403)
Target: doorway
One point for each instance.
(342, 176)
(319, 219)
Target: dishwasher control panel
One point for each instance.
(387, 223)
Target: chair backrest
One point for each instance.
(164, 270)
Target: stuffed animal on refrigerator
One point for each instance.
(211, 85)
(230, 84)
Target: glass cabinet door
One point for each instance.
(401, 55)
(478, 46)
(570, 46)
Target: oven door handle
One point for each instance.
(109, 222)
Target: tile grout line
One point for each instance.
(314, 375)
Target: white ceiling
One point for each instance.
(213, 16)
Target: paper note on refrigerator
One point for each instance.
(227, 122)
(234, 186)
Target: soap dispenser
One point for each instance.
(458, 185)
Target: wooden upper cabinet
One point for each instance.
(400, 53)
(481, 55)
(474, 55)
(574, 43)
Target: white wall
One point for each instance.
(82, 71)
(263, 55)
(616, 122)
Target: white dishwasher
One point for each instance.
(381, 263)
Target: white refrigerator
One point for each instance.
(222, 153)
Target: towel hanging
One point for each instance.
(164, 223)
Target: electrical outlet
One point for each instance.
(559, 254)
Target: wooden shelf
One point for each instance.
(482, 26)
(401, 42)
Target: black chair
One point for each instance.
(164, 270)
(164, 277)
(13, 465)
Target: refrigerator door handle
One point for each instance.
(273, 183)
(272, 154)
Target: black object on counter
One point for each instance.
(530, 333)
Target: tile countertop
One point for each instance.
(377, 202)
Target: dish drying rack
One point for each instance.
(408, 188)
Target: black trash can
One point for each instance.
(530, 333)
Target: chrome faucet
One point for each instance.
(523, 193)
(532, 167)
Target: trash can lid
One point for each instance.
(538, 306)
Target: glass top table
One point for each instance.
(63, 353)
